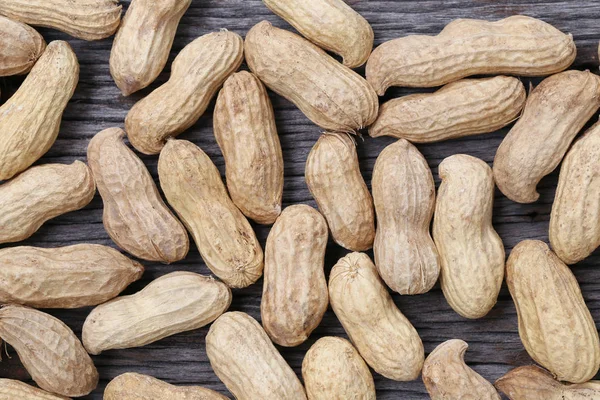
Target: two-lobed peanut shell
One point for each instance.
(20, 47)
(11, 389)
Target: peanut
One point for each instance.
(446, 376)
(471, 252)
(11, 389)
(49, 350)
(516, 45)
(21, 47)
(243, 357)
(42, 193)
(30, 119)
(554, 113)
(135, 216)
(143, 42)
(174, 303)
(463, 108)
(333, 370)
(64, 277)
(555, 325)
(83, 19)
(330, 94)
(244, 126)
(193, 186)
(361, 301)
(404, 196)
(197, 73)
(294, 258)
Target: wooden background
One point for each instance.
(97, 104)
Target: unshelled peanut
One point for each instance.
(16, 390)
(20, 45)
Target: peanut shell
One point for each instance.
(14, 390)
(20, 47)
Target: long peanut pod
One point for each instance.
(20, 47)
(11, 389)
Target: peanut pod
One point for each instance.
(11, 390)
(20, 47)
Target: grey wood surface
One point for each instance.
(97, 104)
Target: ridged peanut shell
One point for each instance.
(64, 277)
(11, 389)
(244, 126)
(20, 47)
(380, 332)
(333, 370)
(49, 350)
(404, 197)
(197, 73)
(330, 94)
(447, 376)
(30, 119)
(243, 357)
(193, 186)
(176, 302)
(463, 108)
(555, 112)
(42, 193)
(555, 325)
(517, 45)
(471, 252)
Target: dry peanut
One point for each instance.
(30, 119)
(533, 383)
(555, 112)
(330, 24)
(330, 94)
(83, 19)
(446, 376)
(174, 303)
(42, 193)
(244, 126)
(471, 252)
(381, 333)
(555, 325)
(225, 239)
(404, 196)
(463, 108)
(333, 178)
(143, 42)
(20, 47)
(575, 217)
(11, 390)
(243, 357)
(49, 350)
(64, 277)
(294, 258)
(333, 370)
(197, 73)
(135, 216)
(516, 45)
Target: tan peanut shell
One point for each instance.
(555, 112)
(333, 177)
(11, 389)
(330, 24)
(533, 383)
(143, 42)
(294, 258)
(49, 350)
(135, 216)
(333, 370)
(471, 252)
(404, 196)
(361, 302)
(244, 126)
(330, 94)
(197, 73)
(30, 119)
(20, 47)
(64, 277)
(575, 216)
(243, 357)
(193, 186)
(463, 108)
(42, 193)
(517, 45)
(83, 19)
(555, 325)
(176, 302)
(447, 376)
